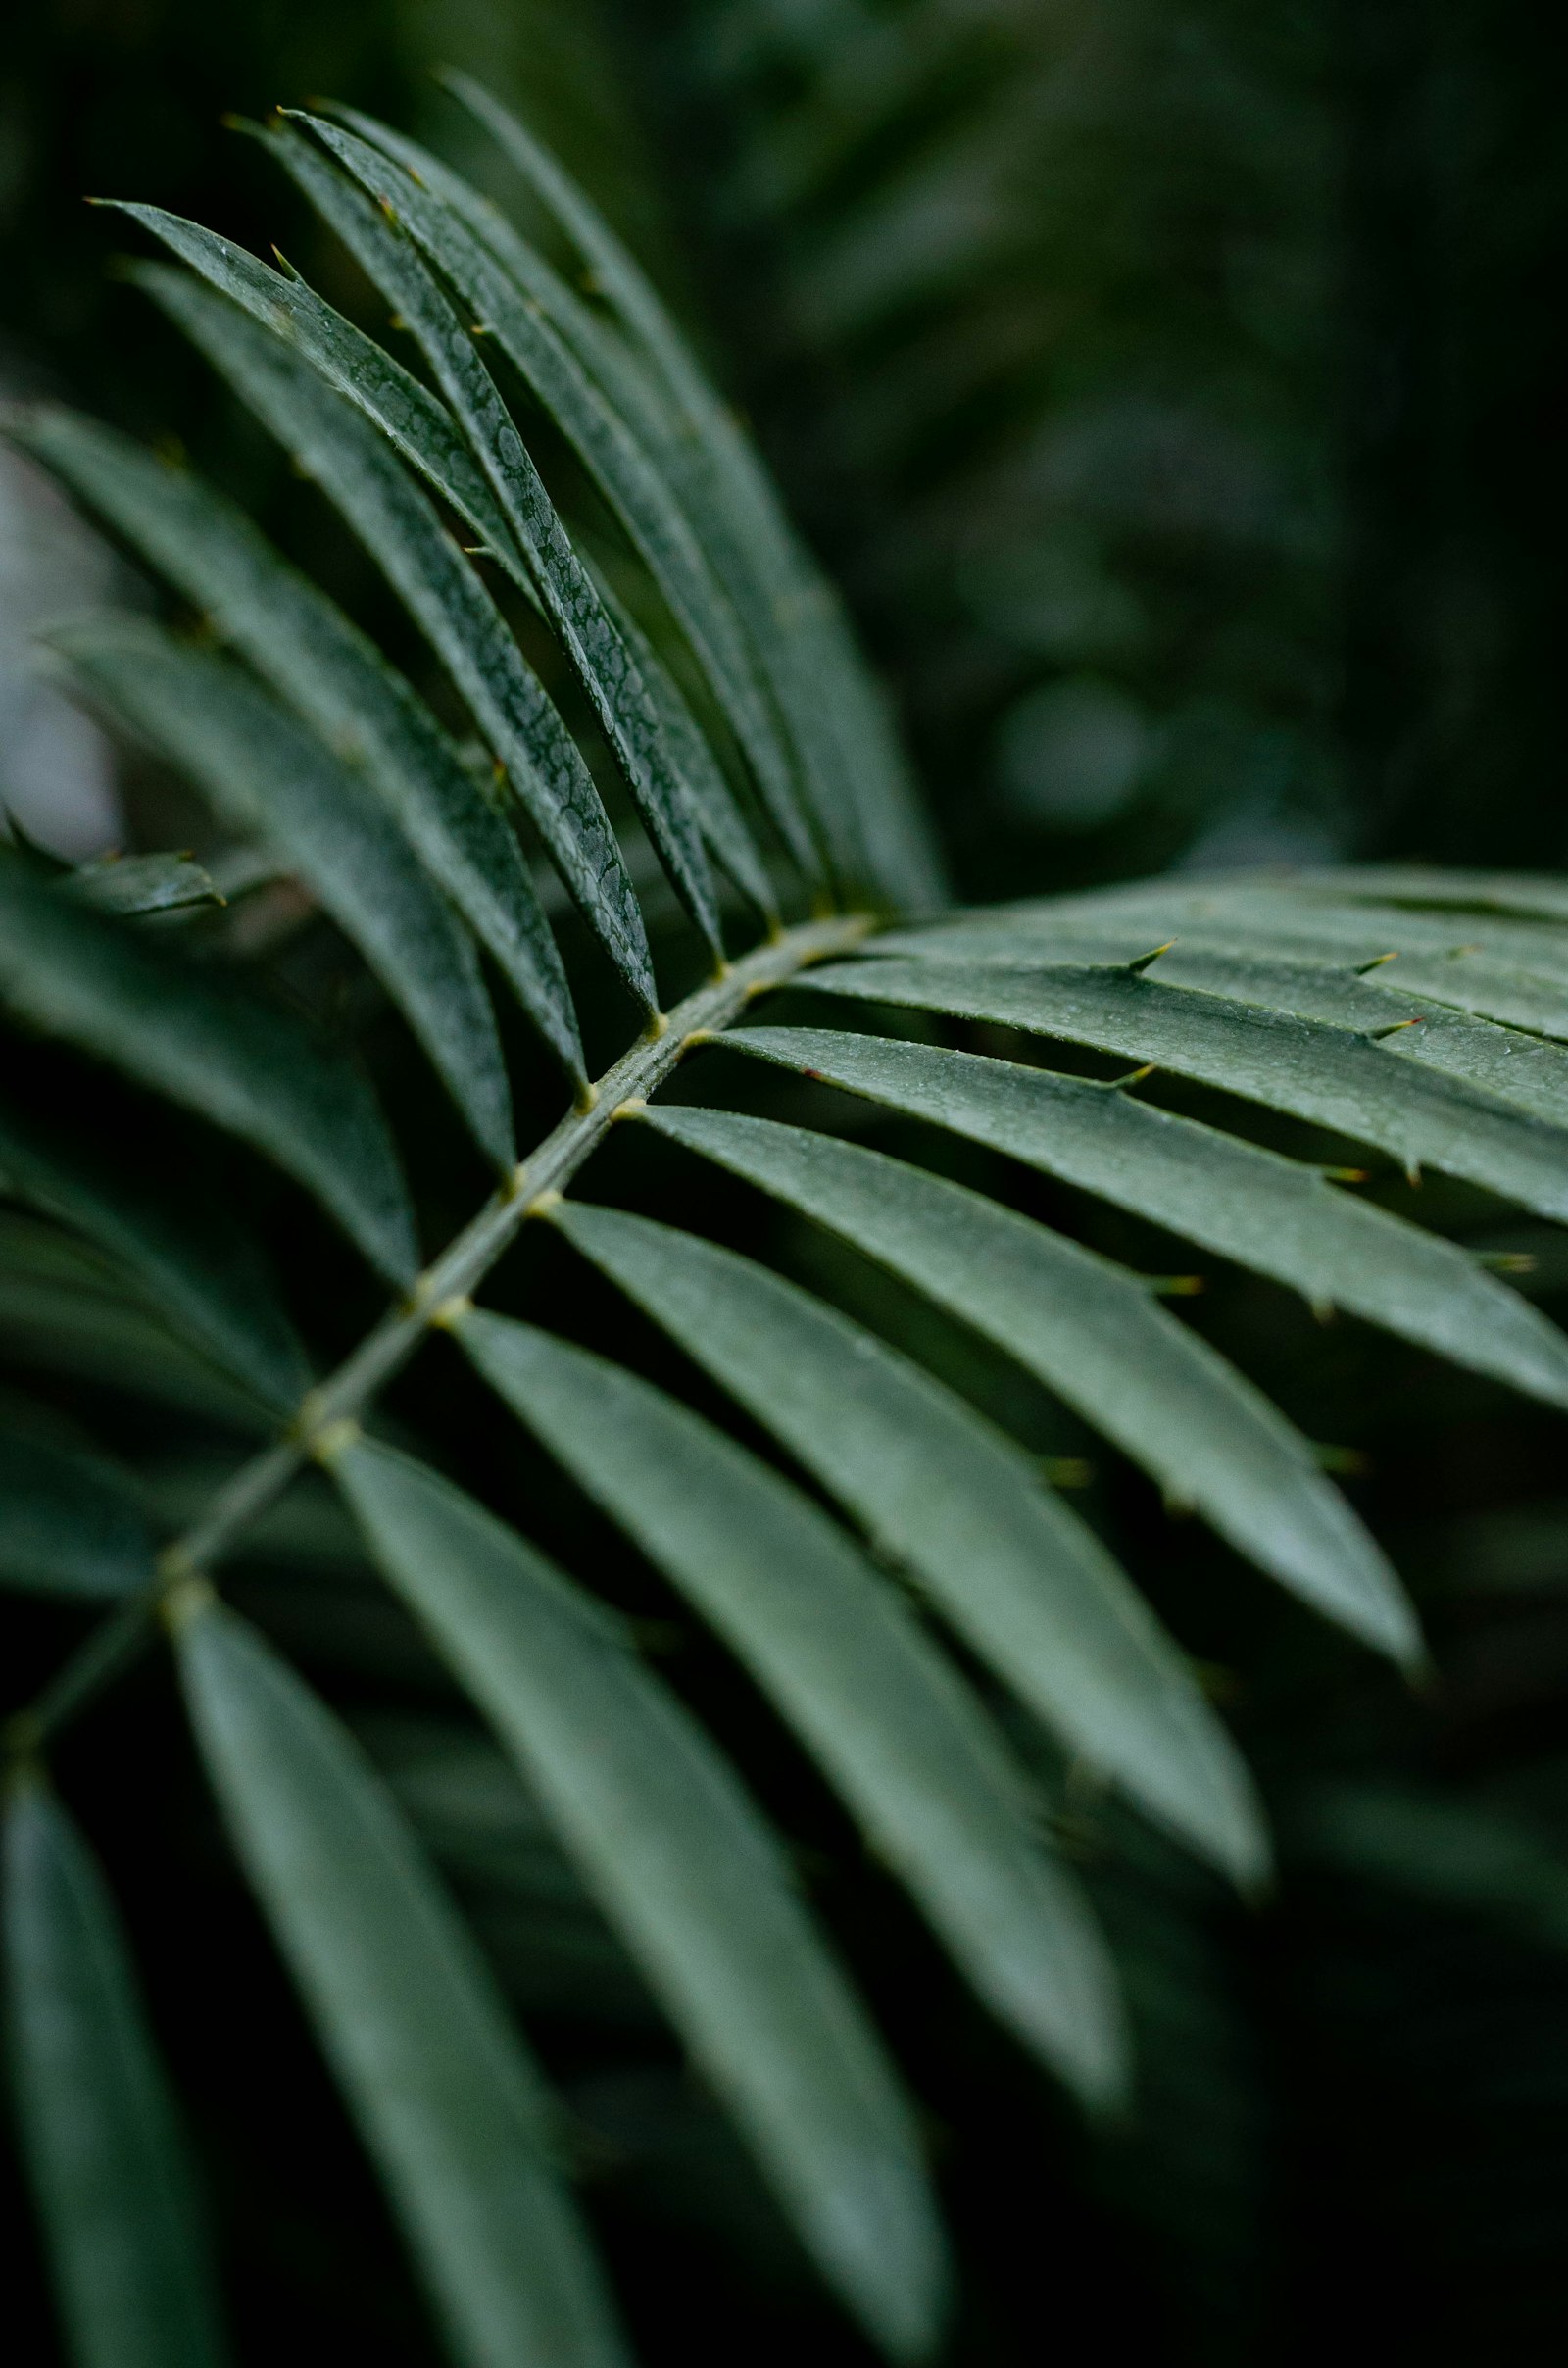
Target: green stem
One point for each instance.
(451, 1276)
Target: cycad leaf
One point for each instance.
(599, 657)
(1374, 1001)
(842, 735)
(624, 472)
(1365, 927)
(718, 816)
(689, 1875)
(191, 1260)
(633, 488)
(350, 458)
(1334, 1075)
(677, 446)
(1521, 1069)
(1277, 1215)
(69, 1523)
(99, 2138)
(411, 420)
(1023, 1580)
(883, 1713)
(417, 423)
(267, 774)
(244, 1064)
(408, 2015)
(1095, 1335)
(1500, 970)
(337, 680)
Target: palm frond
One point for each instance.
(694, 682)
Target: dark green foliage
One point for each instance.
(788, 1718)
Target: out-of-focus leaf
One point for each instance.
(1456, 1853)
(104, 2153)
(270, 775)
(337, 680)
(243, 1063)
(135, 885)
(193, 1262)
(445, 2097)
(65, 1309)
(690, 1876)
(69, 1523)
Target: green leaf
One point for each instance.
(411, 419)
(445, 2101)
(337, 680)
(882, 1712)
(350, 458)
(592, 335)
(631, 485)
(569, 377)
(1277, 1215)
(69, 1523)
(678, 451)
(191, 1259)
(135, 885)
(1520, 1068)
(417, 423)
(837, 719)
(1419, 884)
(1456, 1853)
(1317, 911)
(244, 1064)
(99, 2138)
(718, 816)
(1217, 962)
(566, 592)
(65, 1309)
(1093, 1334)
(688, 1874)
(1026, 1583)
(269, 774)
(1503, 970)
(1337, 1077)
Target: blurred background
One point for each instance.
(1176, 391)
